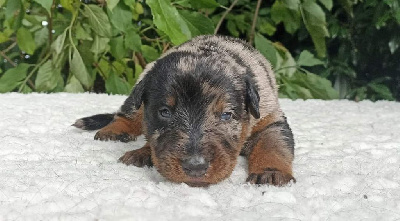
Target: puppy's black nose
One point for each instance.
(195, 166)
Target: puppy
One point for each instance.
(199, 106)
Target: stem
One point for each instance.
(146, 29)
(144, 37)
(287, 67)
(224, 15)
(10, 47)
(142, 62)
(165, 47)
(253, 25)
(50, 27)
(96, 65)
(69, 28)
(8, 59)
(32, 72)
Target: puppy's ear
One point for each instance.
(137, 94)
(252, 98)
(135, 99)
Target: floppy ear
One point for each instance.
(135, 99)
(252, 98)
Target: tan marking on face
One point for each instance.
(171, 101)
(244, 134)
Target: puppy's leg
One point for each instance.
(270, 151)
(123, 128)
(140, 157)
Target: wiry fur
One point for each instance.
(180, 103)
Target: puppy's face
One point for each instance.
(196, 123)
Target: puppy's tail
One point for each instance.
(94, 122)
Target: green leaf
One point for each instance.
(2, 2)
(168, 20)
(74, 86)
(301, 92)
(197, 23)
(58, 45)
(121, 17)
(118, 67)
(319, 87)
(47, 77)
(26, 89)
(314, 20)
(45, 4)
(99, 45)
(132, 40)
(129, 2)
(117, 47)
(117, 85)
(348, 6)
(318, 34)
(98, 20)
(15, 10)
(266, 48)
(41, 37)
(67, 4)
(139, 8)
(287, 12)
(382, 90)
(198, 4)
(307, 59)
(286, 65)
(149, 53)
(12, 77)
(327, 3)
(12, 7)
(314, 13)
(60, 85)
(5, 35)
(25, 40)
(78, 69)
(232, 28)
(111, 4)
(265, 27)
(81, 33)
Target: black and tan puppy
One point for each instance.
(199, 106)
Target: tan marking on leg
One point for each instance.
(270, 161)
(122, 128)
(265, 121)
(140, 157)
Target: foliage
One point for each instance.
(102, 46)
(364, 50)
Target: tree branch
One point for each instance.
(141, 60)
(253, 25)
(224, 15)
(8, 59)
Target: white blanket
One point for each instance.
(346, 164)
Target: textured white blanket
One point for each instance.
(346, 165)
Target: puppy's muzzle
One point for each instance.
(195, 166)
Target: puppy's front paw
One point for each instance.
(139, 158)
(270, 176)
(109, 135)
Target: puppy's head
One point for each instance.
(196, 116)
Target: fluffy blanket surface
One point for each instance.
(346, 164)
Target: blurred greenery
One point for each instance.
(320, 49)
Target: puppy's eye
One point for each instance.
(226, 116)
(165, 113)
